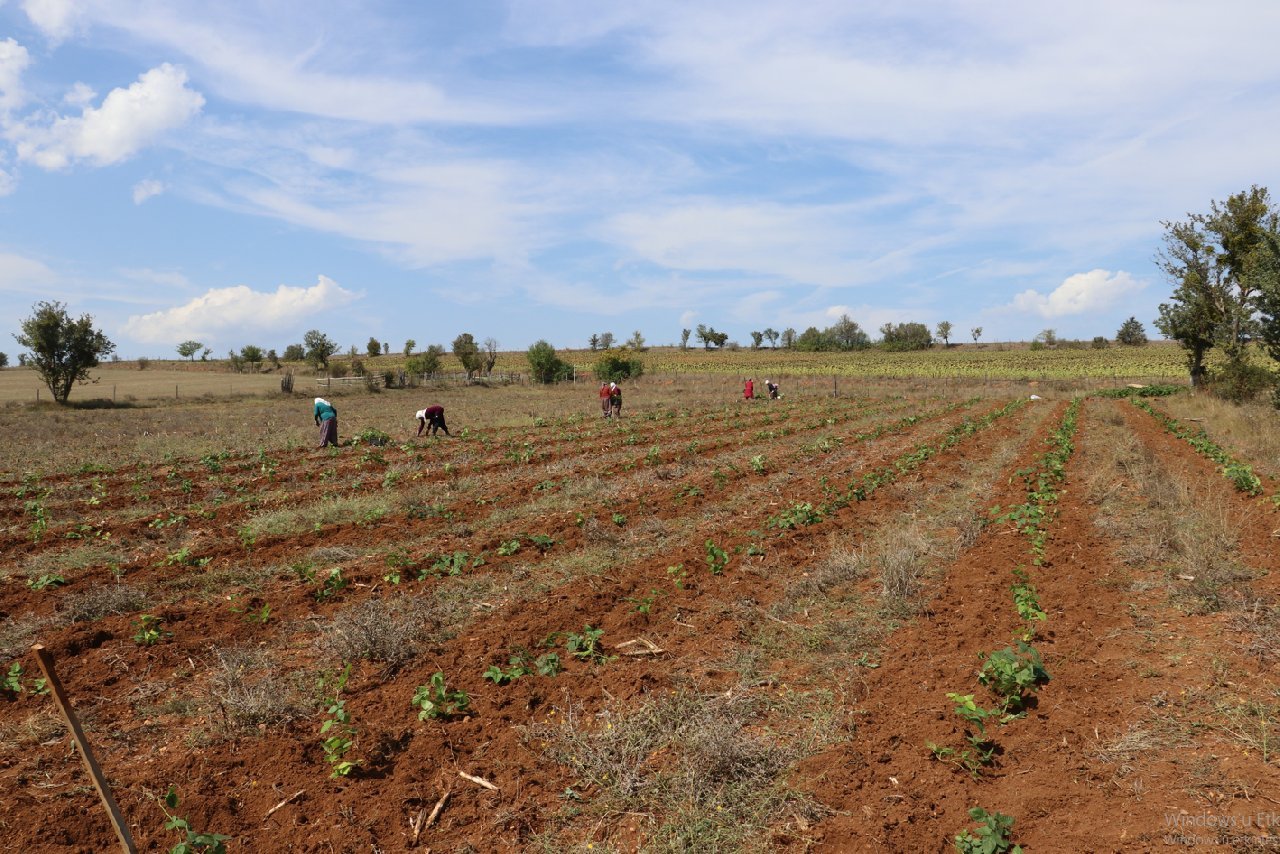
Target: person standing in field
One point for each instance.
(615, 399)
(327, 420)
(605, 400)
(749, 390)
(432, 418)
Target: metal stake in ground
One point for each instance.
(45, 661)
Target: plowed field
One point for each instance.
(701, 627)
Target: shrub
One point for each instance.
(99, 602)
(545, 365)
(1239, 381)
(249, 691)
(385, 630)
(618, 366)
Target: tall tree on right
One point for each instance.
(1217, 264)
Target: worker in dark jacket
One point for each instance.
(432, 419)
(327, 420)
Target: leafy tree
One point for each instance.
(426, 362)
(944, 332)
(593, 342)
(757, 338)
(709, 337)
(788, 338)
(273, 358)
(62, 350)
(295, 353)
(1216, 263)
(636, 342)
(4, 360)
(613, 367)
(188, 349)
(606, 340)
(811, 340)
(252, 355)
(373, 348)
(684, 338)
(905, 336)
(233, 358)
(545, 365)
(204, 356)
(845, 334)
(1099, 343)
(1047, 337)
(771, 335)
(467, 352)
(386, 348)
(409, 346)
(319, 348)
(976, 332)
(1131, 333)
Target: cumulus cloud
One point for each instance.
(14, 60)
(80, 95)
(1096, 290)
(55, 18)
(235, 310)
(145, 189)
(128, 120)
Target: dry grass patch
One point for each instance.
(108, 600)
(390, 631)
(250, 690)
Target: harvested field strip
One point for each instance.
(1240, 474)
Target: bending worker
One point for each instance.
(327, 420)
(433, 418)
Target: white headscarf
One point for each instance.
(322, 400)
(421, 413)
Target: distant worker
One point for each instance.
(749, 390)
(605, 404)
(773, 389)
(615, 399)
(432, 419)
(327, 420)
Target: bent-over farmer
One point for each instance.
(432, 419)
(327, 420)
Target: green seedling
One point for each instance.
(195, 842)
(333, 584)
(183, 557)
(991, 837)
(619, 519)
(435, 701)
(542, 541)
(677, 574)
(12, 682)
(644, 604)
(798, 515)
(45, 581)
(150, 630)
(586, 646)
(717, 558)
(509, 548)
(339, 743)
(1011, 674)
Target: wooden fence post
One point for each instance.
(45, 660)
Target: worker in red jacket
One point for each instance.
(749, 390)
(432, 417)
(604, 400)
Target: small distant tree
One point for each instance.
(811, 341)
(467, 352)
(1047, 337)
(252, 355)
(613, 367)
(757, 338)
(409, 346)
(1099, 343)
(233, 358)
(771, 335)
(490, 355)
(4, 360)
(905, 336)
(1131, 333)
(636, 342)
(374, 347)
(22, 360)
(386, 348)
(319, 348)
(709, 337)
(593, 342)
(976, 332)
(788, 338)
(426, 362)
(188, 349)
(845, 334)
(545, 365)
(944, 332)
(62, 350)
(273, 358)
(606, 340)
(295, 353)
(684, 338)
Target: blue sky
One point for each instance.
(242, 173)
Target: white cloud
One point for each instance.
(55, 18)
(14, 60)
(128, 120)
(1083, 293)
(19, 274)
(687, 318)
(80, 95)
(146, 189)
(237, 310)
(7, 183)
